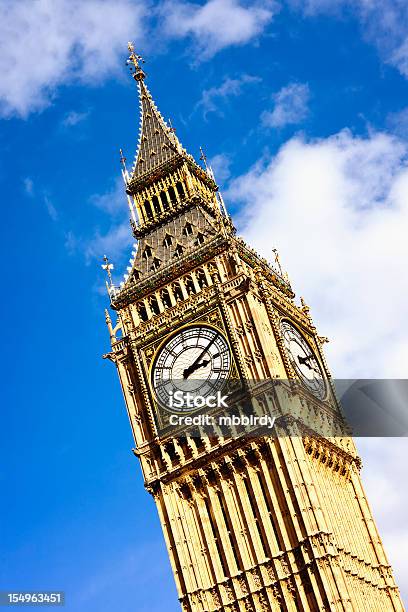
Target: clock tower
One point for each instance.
(252, 521)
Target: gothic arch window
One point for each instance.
(178, 294)
(188, 229)
(168, 240)
(135, 274)
(200, 238)
(172, 195)
(180, 189)
(171, 451)
(188, 281)
(141, 309)
(156, 204)
(148, 209)
(202, 280)
(178, 251)
(154, 305)
(147, 253)
(165, 298)
(156, 263)
(163, 199)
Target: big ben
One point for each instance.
(252, 522)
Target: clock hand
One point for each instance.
(193, 367)
(203, 364)
(305, 360)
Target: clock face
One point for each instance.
(303, 360)
(196, 359)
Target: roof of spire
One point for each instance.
(158, 143)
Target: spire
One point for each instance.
(158, 143)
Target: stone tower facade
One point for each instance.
(251, 523)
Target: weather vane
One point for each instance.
(108, 267)
(134, 60)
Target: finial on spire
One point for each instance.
(207, 167)
(203, 157)
(134, 62)
(122, 160)
(108, 267)
(126, 179)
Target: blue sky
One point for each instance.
(302, 108)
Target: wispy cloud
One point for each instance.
(216, 24)
(221, 166)
(213, 98)
(114, 201)
(115, 243)
(41, 196)
(71, 242)
(73, 118)
(290, 106)
(28, 186)
(397, 123)
(52, 211)
(117, 239)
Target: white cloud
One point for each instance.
(291, 106)
(216, 24)
(337, 209)
(212, 99)
(49, 42)
(73, 118)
